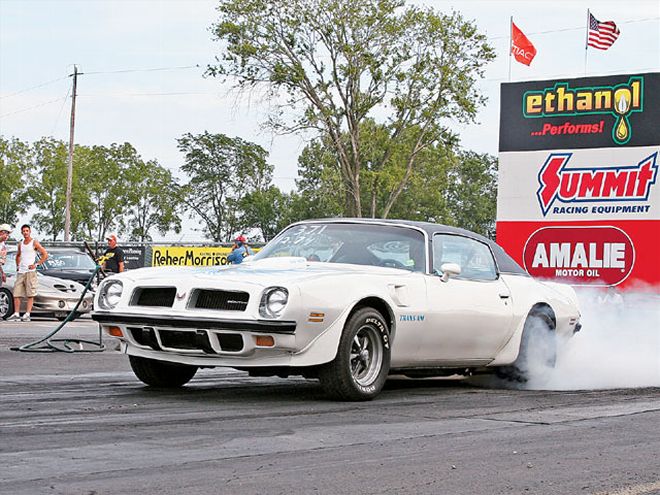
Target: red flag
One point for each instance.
(601, 34)
(523, 50)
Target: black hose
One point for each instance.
(47, 344)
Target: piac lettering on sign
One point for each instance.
(626, 183)
(598, 256)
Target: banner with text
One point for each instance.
(189, 256)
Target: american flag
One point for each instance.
(601, 34)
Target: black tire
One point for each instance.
(362, 363)
(538, 347)
(6, 304)
(161, 373)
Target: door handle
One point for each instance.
(505, 296)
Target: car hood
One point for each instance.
(263, 273)
(71, 274)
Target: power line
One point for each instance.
(153, 69)
(175, 93)
(33, 87)
(32, 107)
(59, 114)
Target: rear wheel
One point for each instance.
(161, 373)
(362, 363)
(6, 304)
(538, 348)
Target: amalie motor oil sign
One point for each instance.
(579, 199)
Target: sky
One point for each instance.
(143, 63)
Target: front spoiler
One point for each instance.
(267, 326)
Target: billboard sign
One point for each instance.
(578, 197)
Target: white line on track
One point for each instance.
(643, 489)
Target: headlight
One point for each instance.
(273, 302)
(110, 294)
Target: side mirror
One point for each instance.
(449, 270)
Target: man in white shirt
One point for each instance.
(26, 272)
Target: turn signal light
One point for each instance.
(316, 317)
(265, 341)
(115, 332)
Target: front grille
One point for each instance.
(220, 299)
(230, 342)
(145, 336)
(154, 296)
(188, 341)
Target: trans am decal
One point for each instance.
(411, 318)
(627, 183)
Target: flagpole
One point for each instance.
(586, 42)
(510, 44)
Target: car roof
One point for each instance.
(505, 263)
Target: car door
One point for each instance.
(470, 315)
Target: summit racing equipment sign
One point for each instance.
(596, 184)
(580, 113)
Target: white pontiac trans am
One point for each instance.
(347, 301)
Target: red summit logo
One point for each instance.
(594, 184)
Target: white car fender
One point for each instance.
(561, 299)
(523, 300)
(323, 348)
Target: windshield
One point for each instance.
(68, 261)
(359, 244)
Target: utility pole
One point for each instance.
(69, 175)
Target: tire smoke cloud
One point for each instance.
(618, 346)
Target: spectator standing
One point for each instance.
(239, 250)
(5, 230)
(115, 264)
(26, 269)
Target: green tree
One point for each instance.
(101, 174)
(15, 164)
(335, 63)
(222, 171)
(448, 185)
(47, 186)
(319, 188)
(266, 210)
(472, 192)
(153, 201)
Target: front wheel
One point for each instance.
(6, 304)
(161, 373)
(362, 363)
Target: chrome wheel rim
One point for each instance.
(366, 355)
